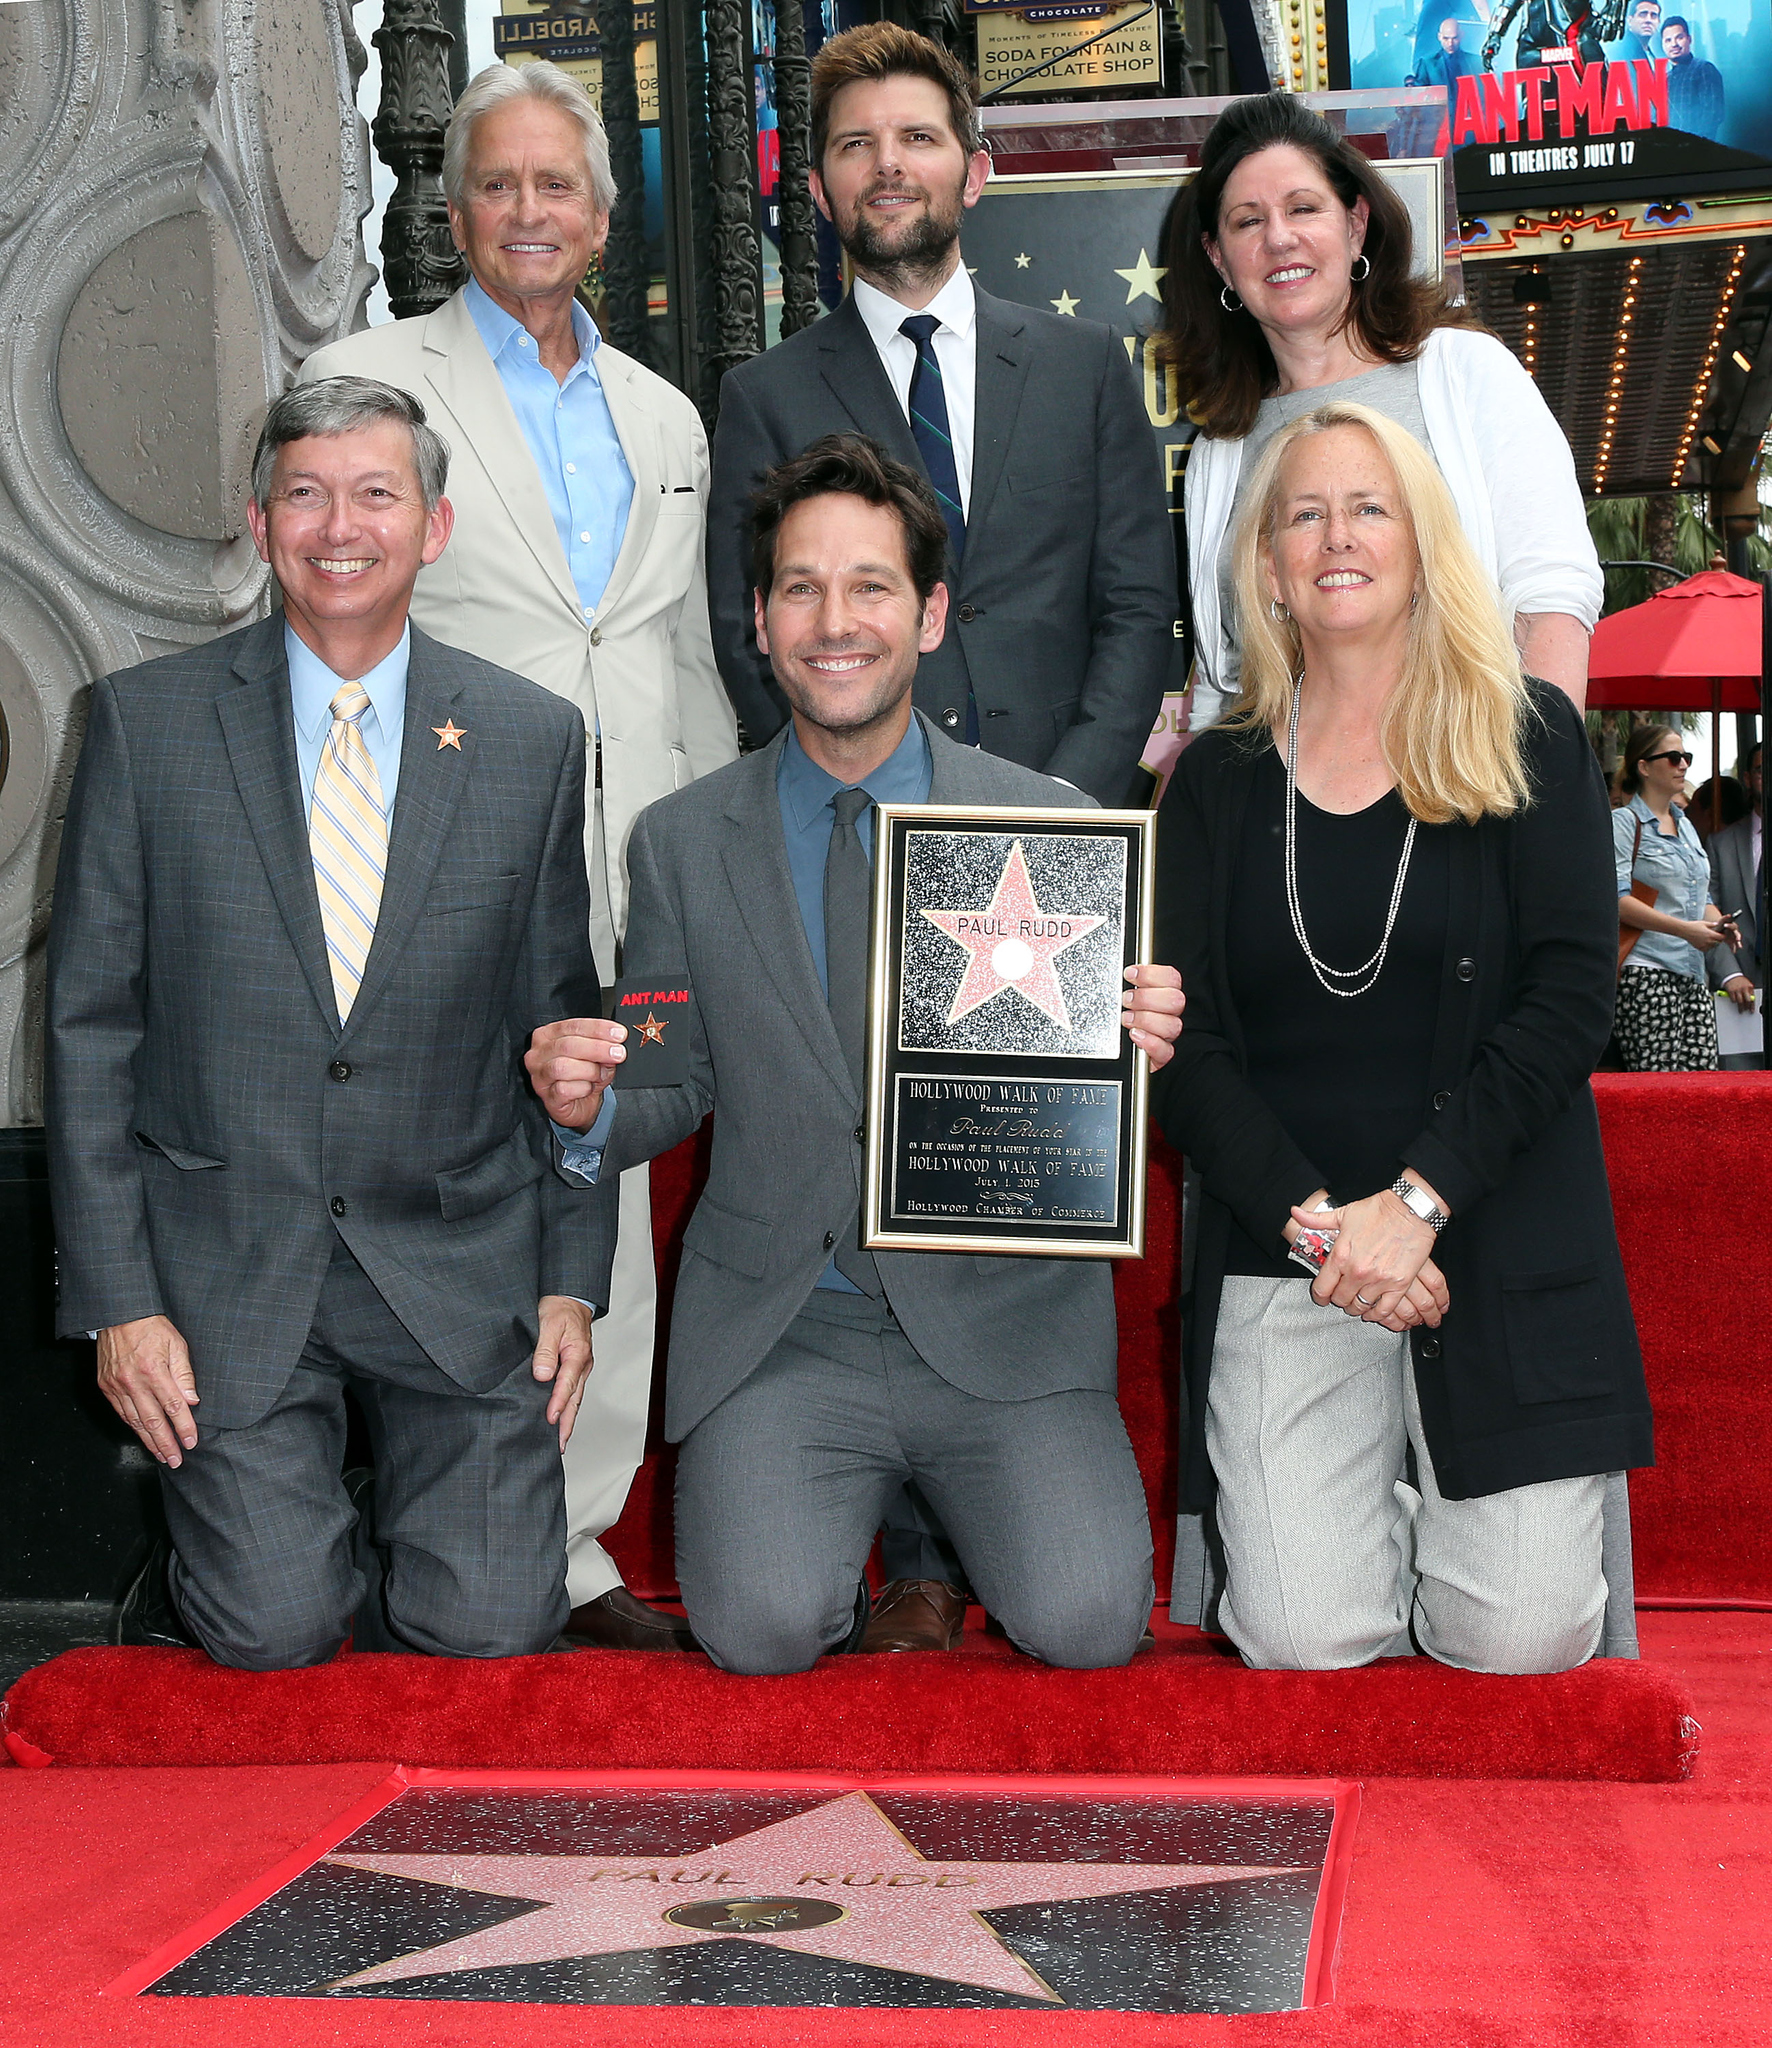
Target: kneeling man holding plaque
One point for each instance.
(809, 1375)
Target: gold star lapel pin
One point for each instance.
(652, 1031)
(449, 734)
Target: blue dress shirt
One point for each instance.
(1676, 865)
(312, 686)
(571, 437)
(806, 793)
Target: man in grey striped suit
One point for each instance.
(319, 882)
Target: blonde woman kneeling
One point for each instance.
(1386, 882)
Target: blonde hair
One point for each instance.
(1451, 728)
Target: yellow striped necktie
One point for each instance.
(348, 833)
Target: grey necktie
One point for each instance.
(848, 900)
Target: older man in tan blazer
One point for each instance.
(579, 481)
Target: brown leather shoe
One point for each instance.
(915, 1614)
(617, 1621)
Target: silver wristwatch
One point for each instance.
(1419, 1204)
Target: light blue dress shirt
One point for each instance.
(312, 686)
(1674, 864)
(806, 793)
(571, 436)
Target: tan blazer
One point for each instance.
(642, 671)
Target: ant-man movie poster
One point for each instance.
(1589, 98)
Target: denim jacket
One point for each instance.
(1675, 865)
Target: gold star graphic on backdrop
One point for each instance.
(1023, 260)
(1064, 303)
(1143, 279)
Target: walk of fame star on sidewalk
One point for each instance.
(1013, 943)
(899, 1910)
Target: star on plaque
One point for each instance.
(1064, 303)
(652, 1031)
(839, 1881)
(1143, 279)
(1023, 261)
(1013, 943)
(449, 734)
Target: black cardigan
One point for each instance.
(1534, 1373)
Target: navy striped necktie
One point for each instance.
(929, 423)
(935, 443)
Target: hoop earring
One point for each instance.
(1278, 612)
(1360, 269)
(1229, 300)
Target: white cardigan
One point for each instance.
(1510, 472)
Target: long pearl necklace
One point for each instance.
(1329, 976)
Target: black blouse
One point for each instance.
(1346, 1076)
(1534, 1374)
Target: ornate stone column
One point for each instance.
(180, 191)
(799, 240)
(732, 133)
(625, 279)
(420, 261)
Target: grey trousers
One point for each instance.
(781, 1488)
(470, 1521)
(1331, 1554)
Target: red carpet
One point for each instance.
(1489, 1915)
(1690, 1158)
(1186, 1708)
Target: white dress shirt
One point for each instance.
(956, 351)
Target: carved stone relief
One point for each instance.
(181, 185)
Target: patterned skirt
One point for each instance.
(1666, 1023)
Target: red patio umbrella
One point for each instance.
(1692, 647)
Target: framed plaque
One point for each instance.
(1006, 1104)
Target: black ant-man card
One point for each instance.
(656, 1016)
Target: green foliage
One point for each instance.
(1620, 533)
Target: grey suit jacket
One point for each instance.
(210, 1125)
(1063, 612)
(713, 900)
(1733, 886)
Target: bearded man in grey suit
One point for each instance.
(319, 881)
(1028, 424)
(809, 1378)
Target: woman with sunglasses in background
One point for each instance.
(1667, 1021)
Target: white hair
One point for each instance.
(497, 86)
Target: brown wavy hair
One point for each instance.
(882, 49)
(850, 465)
(1223, 359)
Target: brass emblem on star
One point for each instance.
(755, 1916)
(449, 734)
(652, 1031)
